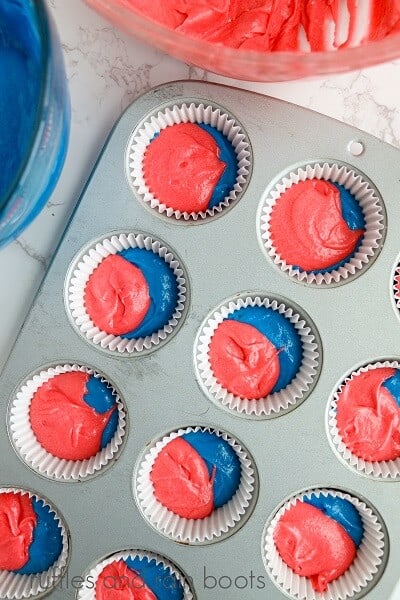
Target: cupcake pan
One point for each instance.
(223, 257)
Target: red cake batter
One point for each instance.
(17, 522)
(276, 25)
(117, 296)
(307, 227)
(118, 582)
(368, 418)
(385, 18)
(313, 545)
(181, 481)
(243, 360)
(63, 423)
(182, 167)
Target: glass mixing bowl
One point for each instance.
(242, 64)
(35, 113)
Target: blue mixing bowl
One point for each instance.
(34, 113)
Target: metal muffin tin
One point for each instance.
(222, 256)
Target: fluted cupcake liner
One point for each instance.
(395, 288)
(384, 470)
(223, 521)
(359, 578)
(278, 402)
(33, 453)
(88, 592)
(78, 276)
(370, 203)
(14, 586)
(187, 113)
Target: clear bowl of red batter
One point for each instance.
(264, 40)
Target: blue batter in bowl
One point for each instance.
(34, 113)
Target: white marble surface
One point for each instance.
(106, 71)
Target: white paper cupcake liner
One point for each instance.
(84, 266)
(359, 578)
(222, 522)
(396, 288)
(365, 194)
(384, 470)
(88, 592)
(14, 586)
(187, 113)
(274, 404)
(31, 451)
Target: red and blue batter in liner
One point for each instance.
(131, 294)
(368, 414)
(255, 351)
(316, 226)
(74, 415)
(190, 167)
(30, 534)
(196, 473)
(318, 538)
(138, 578)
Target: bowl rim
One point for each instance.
(320, 62)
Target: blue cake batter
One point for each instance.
(343, 512)
(46, 545)
(218, 455)
(100, 397)
(20, 88)
(163, 290)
